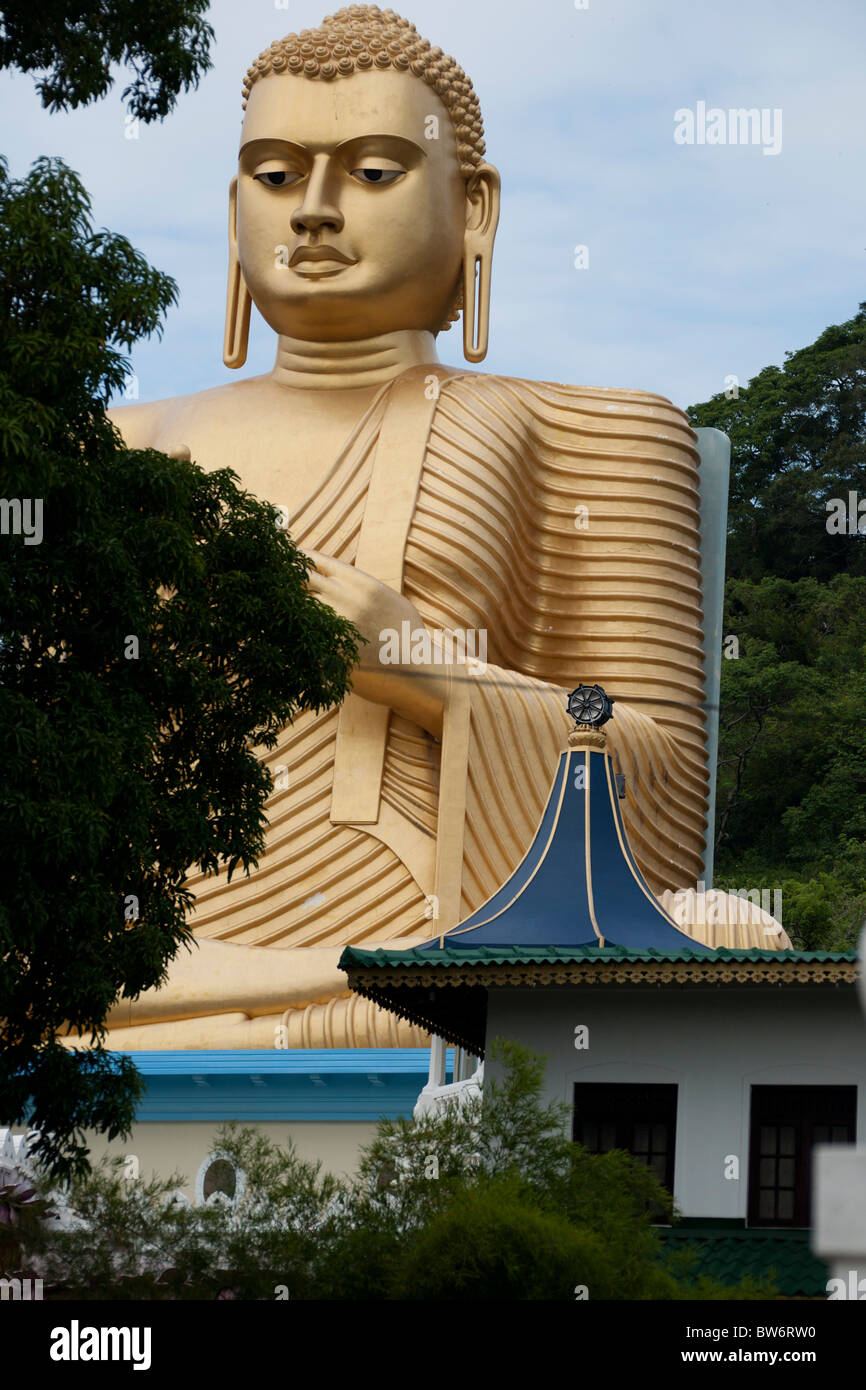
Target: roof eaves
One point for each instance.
(509, 965)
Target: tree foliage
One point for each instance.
(798, 439)
(75, 43)
(791, 801)
(156, 632)
(512, 1210)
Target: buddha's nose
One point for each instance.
(311, 219)
(317, 210)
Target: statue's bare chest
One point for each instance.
(282, 445)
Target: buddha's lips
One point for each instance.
(318, 253)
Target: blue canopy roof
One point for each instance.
(579, 883)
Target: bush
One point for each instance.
(491, 1244)
(486, 1202)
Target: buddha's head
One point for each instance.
(362, 204)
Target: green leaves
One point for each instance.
(70, 298)
(792, 768)
(157, 634)
(791, 810)
(75, 42)
(533, 1216)
(798, 437)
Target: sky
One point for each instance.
(706, 261)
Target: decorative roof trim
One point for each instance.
(583, 972)
(467, 1032)
(419, 985)
(578, 972)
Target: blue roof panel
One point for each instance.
(579, 883)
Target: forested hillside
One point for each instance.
(791, 804)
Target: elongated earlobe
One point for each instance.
(238, 299)
(476, 304)
(483, 199)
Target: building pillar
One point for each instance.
(437, 1061)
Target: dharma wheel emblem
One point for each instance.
(589, 704)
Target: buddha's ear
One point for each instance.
(482, 201)
(238, 299)
(482, 218)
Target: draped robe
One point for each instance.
(563, 523)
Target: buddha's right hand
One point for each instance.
(415, 688)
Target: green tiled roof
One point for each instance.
(554, 955)
(785, 1257)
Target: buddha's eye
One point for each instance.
(380, 176)
(277, 178)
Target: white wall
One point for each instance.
(182, 1146)
(714, 1044)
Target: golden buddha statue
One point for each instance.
(559, 524)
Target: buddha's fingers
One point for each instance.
(317, 582)
(320, 562)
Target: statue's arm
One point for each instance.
(142, 426)
(137, 423)
(226, 995)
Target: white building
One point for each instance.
(721, 1069)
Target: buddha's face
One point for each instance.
(350, 222)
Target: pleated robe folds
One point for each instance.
(559, 525)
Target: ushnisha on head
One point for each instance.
(362, 204)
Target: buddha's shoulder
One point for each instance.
(556, 403)
(162, 424)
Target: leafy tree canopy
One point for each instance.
(798, 440)
(791, 802)
(155, 628)
(74, 44)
